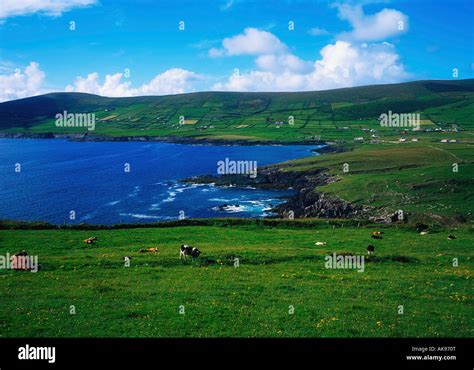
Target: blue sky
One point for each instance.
(121, 48)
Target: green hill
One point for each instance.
(339, 114)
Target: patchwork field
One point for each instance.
(334, 115)
(280, 270)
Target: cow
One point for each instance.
(186, 250)
(90, 240)
(370, 249)
(151, 250)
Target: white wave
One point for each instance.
(224, 200)
(261, 202)
(231, 209)
(171, 197)
(254, 202)
(186, 187)
(135, 191)
(139, 215)
(206, 190)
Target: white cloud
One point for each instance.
(281, 63)
(251, 42)
(18, 84)
(53, 8)
(228, 4)
(112, 86)
(379, 26)
(214, 52)
(342, 64)
(316, 31)
(172, 81)
(355, 58)
(262, 81)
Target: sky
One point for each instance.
(145, 47)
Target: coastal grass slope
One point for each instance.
(429, 182)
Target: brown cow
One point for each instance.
(151, 250)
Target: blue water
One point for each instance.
(58, 176)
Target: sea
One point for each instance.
(68, 182)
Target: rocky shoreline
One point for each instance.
(306, 203)
(329, 147)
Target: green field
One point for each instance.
(280, 268)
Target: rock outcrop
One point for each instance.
(305, 203)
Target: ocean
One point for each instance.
(64, 182)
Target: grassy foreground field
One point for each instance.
(280, 268)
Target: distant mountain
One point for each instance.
(146, 113)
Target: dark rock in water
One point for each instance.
(226, 207)
(308, 203)
(305, 203)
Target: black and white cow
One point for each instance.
(187, 250)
